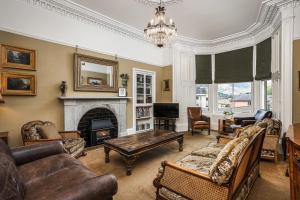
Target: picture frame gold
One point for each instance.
(18, 84)
(82, 82)
(18, 58)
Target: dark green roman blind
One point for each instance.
(203, 69)
(234, 66)
(263, 60)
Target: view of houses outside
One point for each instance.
(234, 97)
(202, 96)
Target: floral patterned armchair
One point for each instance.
(72, 142)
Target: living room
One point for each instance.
(149, 99)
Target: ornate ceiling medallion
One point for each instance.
(160, 29)
(158, 2)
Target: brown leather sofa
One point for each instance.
(196, 120)
(45, 172)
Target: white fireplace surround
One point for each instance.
(76, 107)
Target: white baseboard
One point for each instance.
(130, 131)
(181, 127)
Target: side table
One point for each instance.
(224, 126)
(4, 136)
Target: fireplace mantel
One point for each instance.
(75, 107)
(93, 98)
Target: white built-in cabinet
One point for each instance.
(143, 99)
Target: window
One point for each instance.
(268, 94)
(202, 96)
(234, 96)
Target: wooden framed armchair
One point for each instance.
(194, 177)
(196, 120)
(72, 142)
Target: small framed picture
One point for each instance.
(94, 81)
(166, 85)
(122, 92)
(18, 84)
(18, 58)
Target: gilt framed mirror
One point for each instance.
(95, 74)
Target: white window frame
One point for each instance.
(205, 110)
(242, 111)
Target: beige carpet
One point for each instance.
(272, 184)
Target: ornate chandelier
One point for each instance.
(160, 29)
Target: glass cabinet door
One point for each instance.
(140, 88)
(148, 89)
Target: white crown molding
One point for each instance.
(268, 16)
(268, 21)
(157, 2)
(76, 11)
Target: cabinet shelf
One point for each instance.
(144, 96)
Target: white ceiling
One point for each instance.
(198, 19)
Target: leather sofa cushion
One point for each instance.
(200, 123)
(11, 184)
(56, 185)
(49, 132)
(38, 169)
(5, 149)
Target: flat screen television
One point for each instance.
(168, 110)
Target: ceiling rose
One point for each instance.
(157, 2)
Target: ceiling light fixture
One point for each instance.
(160, 29)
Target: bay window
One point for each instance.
(236, 97)
(202, 96)
(268, 94)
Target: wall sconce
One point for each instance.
(125, 78)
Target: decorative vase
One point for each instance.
(63, 88)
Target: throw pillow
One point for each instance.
(32, 134)
(222, 168)
(250, 131)
(49, 132)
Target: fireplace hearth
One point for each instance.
(97, 125)
(100, 130)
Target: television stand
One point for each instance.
(165, 123)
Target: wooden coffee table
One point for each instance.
(132, 146)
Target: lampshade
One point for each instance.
(1, 99)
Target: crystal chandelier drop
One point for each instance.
(160, 29)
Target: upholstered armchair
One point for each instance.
(196, 120)
(38, 132)
(260, 115)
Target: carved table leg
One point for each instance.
(106, 150)
(180, 142)
(129, 162)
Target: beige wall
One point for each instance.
(54, 64)
(166, 96)
(296, 92)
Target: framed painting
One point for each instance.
(95, 81)
(166, 85)
(95, 74)
(18, 84)
(18, 58)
